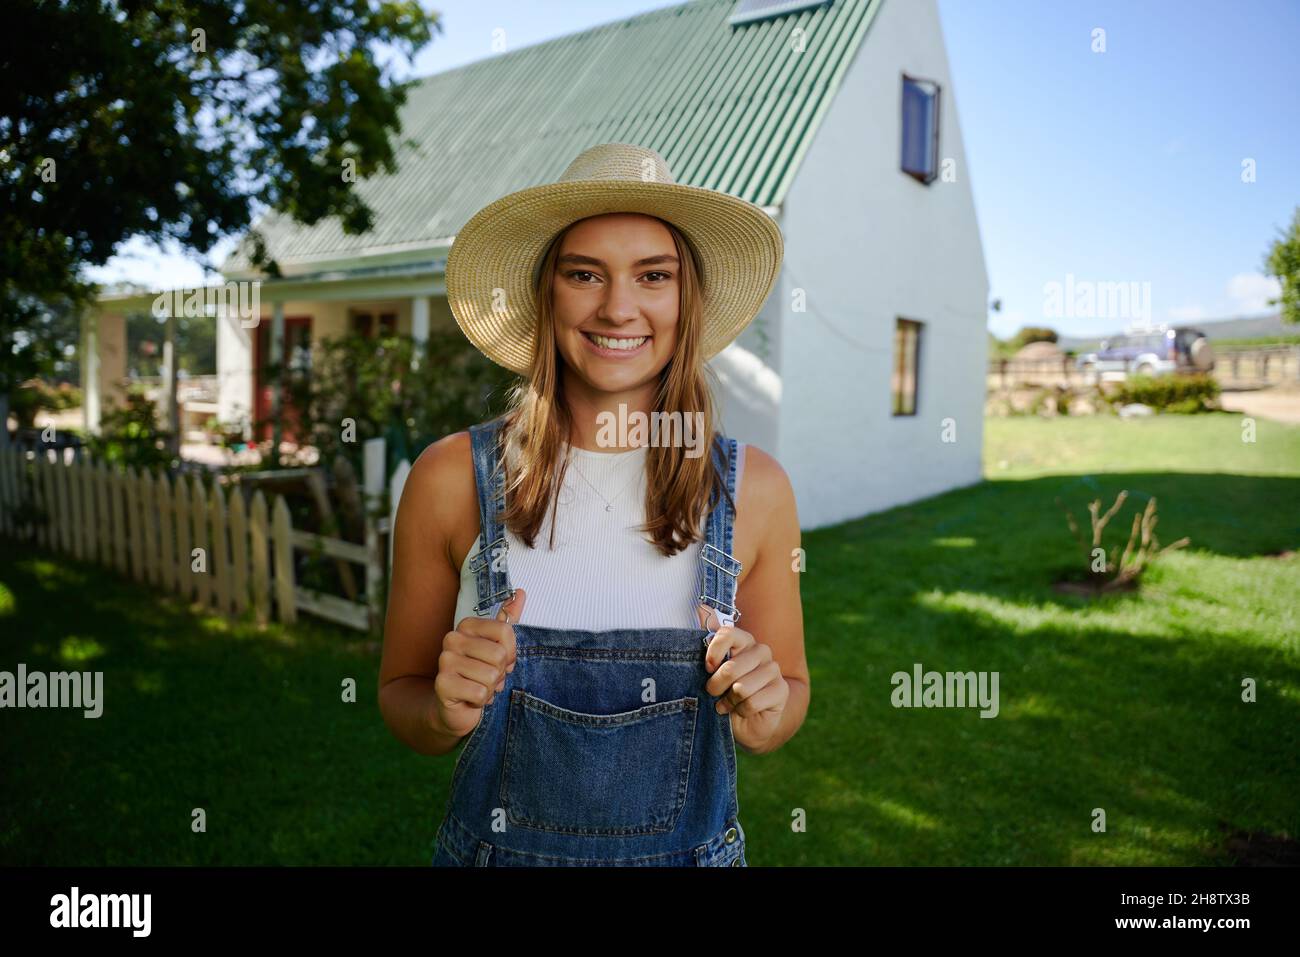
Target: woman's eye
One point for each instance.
(579, 273)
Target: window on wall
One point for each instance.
(370, 324)
(920, 128)
(907, 353)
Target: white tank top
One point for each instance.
(603, 573)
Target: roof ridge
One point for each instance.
(724, 104)
(493, 58)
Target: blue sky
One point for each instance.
(1117, 166)
(1127, 165)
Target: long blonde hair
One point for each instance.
(680, 490)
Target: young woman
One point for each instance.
(566, 595)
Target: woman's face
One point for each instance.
(615, 299)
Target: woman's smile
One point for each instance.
(616, 347)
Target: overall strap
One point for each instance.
(491, 574)
(719, 569)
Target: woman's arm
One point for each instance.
(767, 537)
(438, 497)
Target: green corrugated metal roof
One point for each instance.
(731, 108)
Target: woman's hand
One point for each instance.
(472, 668)
(749, 684)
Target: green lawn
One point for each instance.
(1132, 704)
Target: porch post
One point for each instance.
(90, 409)
(110, 337)
(169, 385)
(277, 376)
(419, 329)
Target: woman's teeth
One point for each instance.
(607, 343)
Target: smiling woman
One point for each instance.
(612, 745)
(616, 315)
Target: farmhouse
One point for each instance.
(837, 118)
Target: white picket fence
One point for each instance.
(196, 540)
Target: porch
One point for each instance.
(259, 325)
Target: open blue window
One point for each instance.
(920, 128)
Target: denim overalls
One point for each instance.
(604, 747)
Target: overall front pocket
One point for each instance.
(582, 773)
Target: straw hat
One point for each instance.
(737, 247)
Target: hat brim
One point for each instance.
(491, 264)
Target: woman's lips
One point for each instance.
(612, 353)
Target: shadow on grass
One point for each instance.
(1130, 704)
(1009, 528)
(247, 727)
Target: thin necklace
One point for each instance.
(609, 502)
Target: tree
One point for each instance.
(180, 120)
(38, 337)
(1028, 334)
(1284, 262)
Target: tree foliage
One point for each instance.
(130, 437)
(1284, 262)
(180, 120)
(1028, 334)
(362, 388)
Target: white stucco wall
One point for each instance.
(234, 369)
(747, 387)
(868, 244)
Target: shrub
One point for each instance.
(129, 435)
(24, 403)
(1112, 570)
(1103, 400)
(1028, 334)
(1173, 393)
(36, 395)
(66, 396)
(370, 382)
(230, 434)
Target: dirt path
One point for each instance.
(1280, 403)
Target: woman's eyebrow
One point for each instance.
(579, 259)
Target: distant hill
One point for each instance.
(1259, 327)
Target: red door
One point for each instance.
(297, 359)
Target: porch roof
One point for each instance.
(420, 277)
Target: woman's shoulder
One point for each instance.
(444, 460)
(452, 454)
(767, 519)
(442, 490)
(764, 485)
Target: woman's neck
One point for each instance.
(602, 421)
